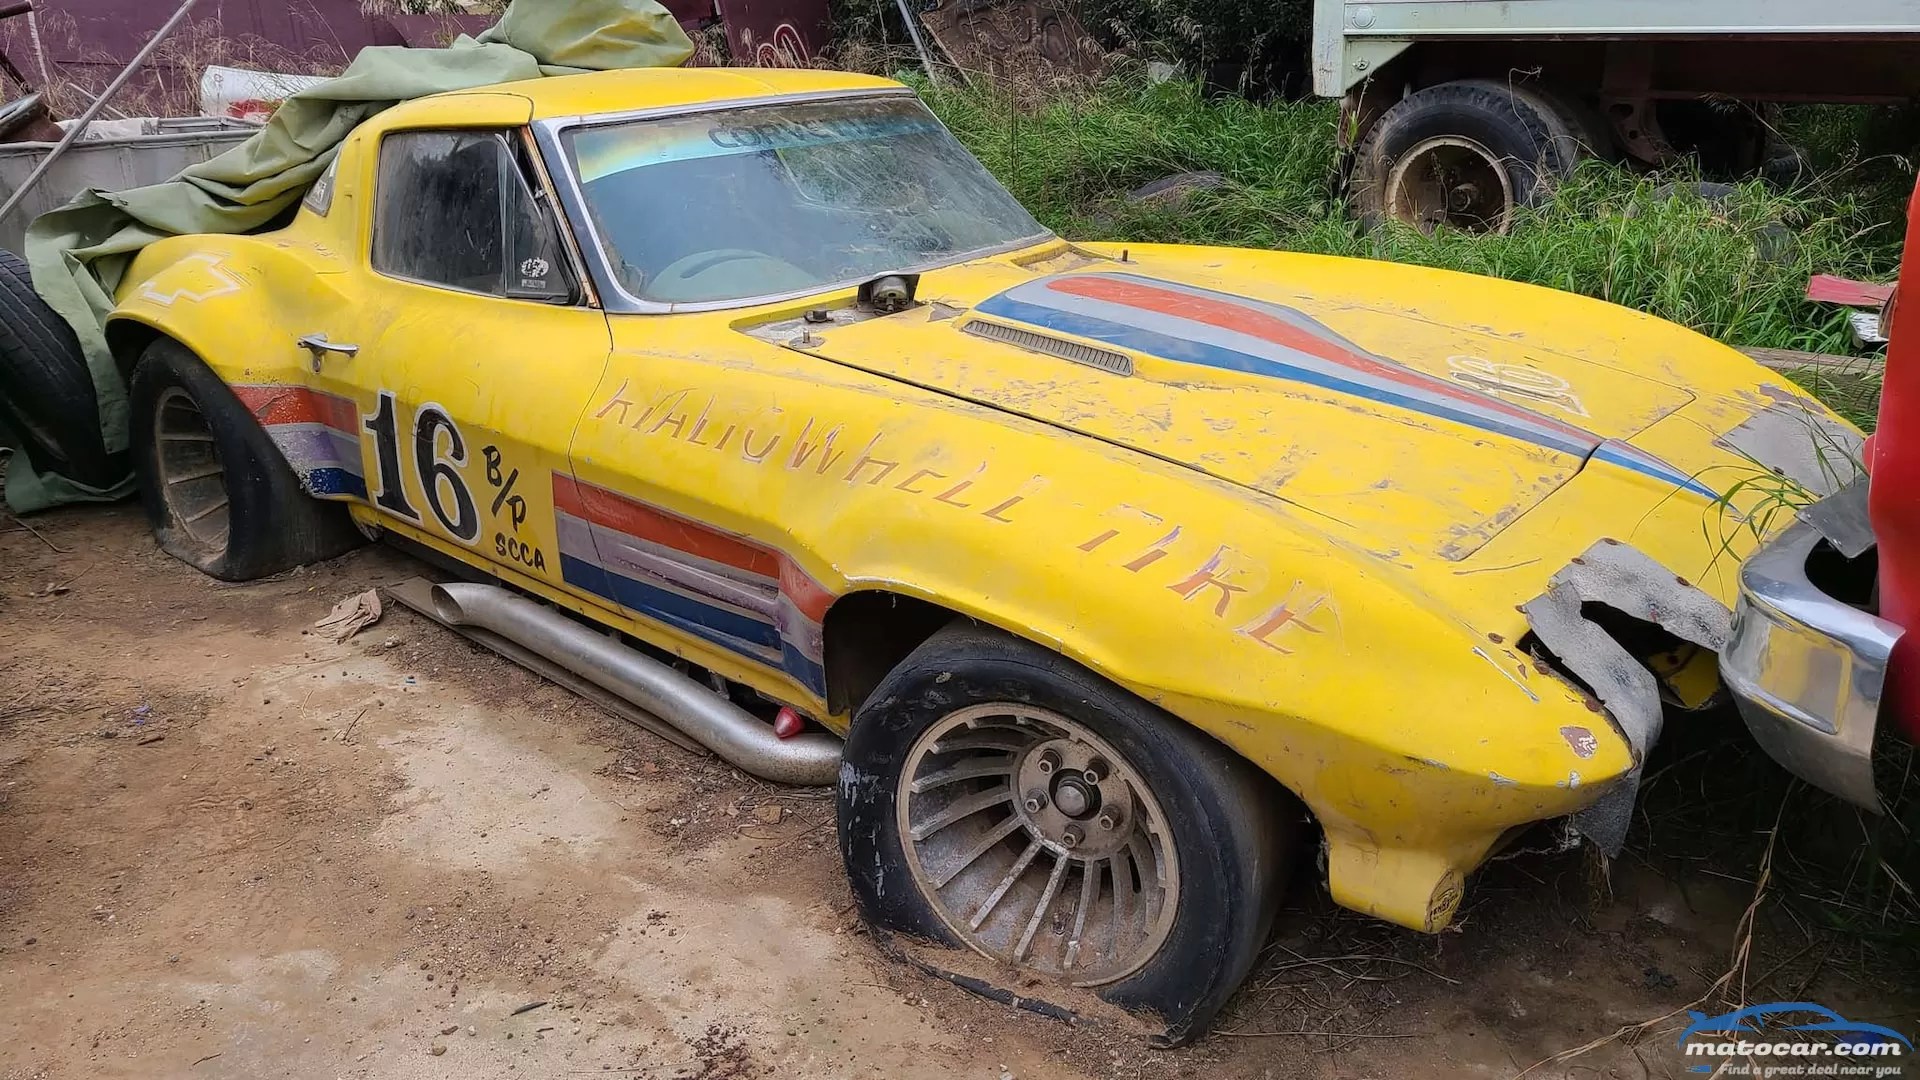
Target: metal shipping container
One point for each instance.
(110, 164)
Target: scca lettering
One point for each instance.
(510, 547)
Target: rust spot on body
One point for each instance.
(1581, 740)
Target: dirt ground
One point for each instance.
(230, 849)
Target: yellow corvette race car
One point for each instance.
(1105, 561)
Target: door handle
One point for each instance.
(319, 346)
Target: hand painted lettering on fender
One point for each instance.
(818, 447)
(1229, 583)
(1227, 578)
(504, 497)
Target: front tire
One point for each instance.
(1000, 797)
(220, 496)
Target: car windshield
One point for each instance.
(786, 198)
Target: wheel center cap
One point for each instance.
(1073, 798)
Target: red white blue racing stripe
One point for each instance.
(723, 588)
(318, 432)
(1235, 333)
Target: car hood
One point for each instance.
(1406, 434)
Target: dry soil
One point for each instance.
(232, 850)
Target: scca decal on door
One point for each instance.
(504, 546)
(440, 479)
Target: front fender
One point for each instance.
(1416, 742)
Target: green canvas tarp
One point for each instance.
(79, 252)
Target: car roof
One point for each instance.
(630, 89)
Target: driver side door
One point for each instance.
(477, 350)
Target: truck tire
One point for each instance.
(1585, 124)
(1462, 154)
(219, 495)
(46, 392)
(997, 796)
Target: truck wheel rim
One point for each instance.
(193, 480)
(1454, 181)
(1037, 843)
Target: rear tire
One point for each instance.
(219, 494)
(47, 398)
(1196, 837)
(1463, 154)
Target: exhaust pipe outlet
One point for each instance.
(732, 733)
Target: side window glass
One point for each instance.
(536, 266)
(455, 209)
(438, 219)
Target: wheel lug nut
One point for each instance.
(1096, 770)
(1072, 836)
(1048, 762)
(1036, 801)
(1109, 822)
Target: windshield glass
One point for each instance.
(785, 198)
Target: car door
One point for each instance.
(471, 349)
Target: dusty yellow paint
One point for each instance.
(1325, 584)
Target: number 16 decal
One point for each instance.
(439, 479)
(389, 491)
(427, 425)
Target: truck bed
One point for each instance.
(1355, 37)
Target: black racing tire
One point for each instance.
(219, 495)
(47, 398)
(1499, 148)
(1233, 828)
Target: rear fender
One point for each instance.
(209, 293)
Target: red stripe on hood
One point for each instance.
(1242, 319)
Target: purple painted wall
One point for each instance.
(85, 42)
(83, 35)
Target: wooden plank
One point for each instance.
(1827, 289)
(1792, 360)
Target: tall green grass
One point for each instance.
(1735, 269)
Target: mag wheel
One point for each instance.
(997, 796)
(1020, 819)
(191, 479)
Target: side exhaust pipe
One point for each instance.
(735, 735)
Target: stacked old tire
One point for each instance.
(48, 408)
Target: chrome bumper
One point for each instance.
(1807, 669)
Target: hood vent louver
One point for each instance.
(1107, 360)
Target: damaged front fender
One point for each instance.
(1629, 581)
